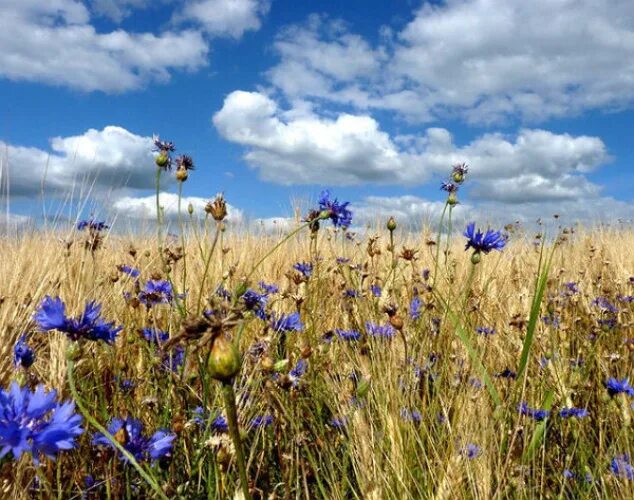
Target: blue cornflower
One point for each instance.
(414, 307)
(35, 423)
(425, 274)
(338, 422)
(376, 290)
(174, 359)
(350, 294)
(23, 355)
(483, 242)
(256, 302)
(605, 305)
(286, 323)
(348, 335)
(573, 413)
(381, 331)
(449, 187)
(130, 271)
(261, 421)
(571, 288)
(129, 433)
(51, 315)
(155, 336)
(268, 289)
(535, 414)
(342, 260)
(337, 212)
(616, 386)
(156, 292)
(486, 331)
(413, 416)
(305, 268)
(92, 225)
(568, 474)
(471, 451)
(621, 467)
(219, 425)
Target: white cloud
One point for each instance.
(117, 10)
(300, 147)
(481, 60)
(224, 17)
(144, 208)
(109, 159)
(54, 43)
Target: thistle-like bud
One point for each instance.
(190, 209)
(391, 224)
(457, 177)
(181, 174)
(162, 159)
(224, 360)
(476, 258)
(218, 208)
(452, 199)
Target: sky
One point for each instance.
(276, 100)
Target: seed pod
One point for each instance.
(224, 359)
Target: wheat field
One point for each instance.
(409, 372)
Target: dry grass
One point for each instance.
(378, 453)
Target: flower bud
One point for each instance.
(391, 224)
(363, 388)
(181, 174)
(452, 199)
(190, 209)
(457, 177)
(162, 159)
(281, 365)
(224, 360)
(217, 208)
(476, 257)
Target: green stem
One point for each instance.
(234, 430)
(206, 271)
(144, 474)
(442, 217)
(182, 230)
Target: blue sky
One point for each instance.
(278, 99)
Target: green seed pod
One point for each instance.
(190, 209)
(457, 177)
(224, 360)
(391, 224)
(475, 258)
(452, 199)
(281, 365)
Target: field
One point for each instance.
(393, 364)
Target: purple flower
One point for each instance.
(605, 305)
(483, 242)
(484, 330)
(51, 315)
(141, 447)
(414, 307)
(573, 413)
(286, 323)
(23, 355)
(571, 288)
(506, 373)
(348, 335)
(449, 187)
(339, 422)
(261, 421)
(219, 425)
(298, 372)
(156, 292)
(92, 225)
(413, 416)
(376, 290)
(536, 414)
(35, 423)
(621, 467)
(268, 289)
(350, 294)
(305, 268)
(616, 386)
(256, 302)
(471, 451)
(130, 271)
(380, 331)
(155, 336)
(337, 212)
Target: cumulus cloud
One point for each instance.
(53, 42)
(117, 10)
(481, 60)
(105, 159)
(298, 146)
(224, 17)
(144, 208)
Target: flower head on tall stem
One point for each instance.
(338, 213)
(164, 149)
